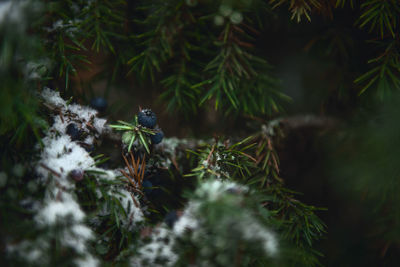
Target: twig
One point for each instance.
(135, 177)
(209, 155)
(50, 170)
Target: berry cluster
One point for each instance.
(78, 134)
(99, 103)
(148, 119)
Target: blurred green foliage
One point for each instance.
(204, 55)
(367, 168)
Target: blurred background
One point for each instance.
(340, 148)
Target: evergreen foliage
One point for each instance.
(380, 198)
(67, 199)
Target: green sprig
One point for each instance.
(136, 131)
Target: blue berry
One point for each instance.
(147, 118)
(147, 187)
(76, 174)
(99, 103)
(157, 138)
(171, 218)
(89, 148)
(73, 131)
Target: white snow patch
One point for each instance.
(252, 230)
(69, 27)
(59, 210)
(109, 175)
(84, 113)
(157, 249)
(12, 11)
(53, 97)
(187, 221)
(89, 139)
(73, 113)
(134, 214)
(35, 70)
(246, 224)
(4, 9)
(212, 190)
(100, 125)
(62, 156)
(77, 237)
(59, 156)
(28, 250)
(88, 261)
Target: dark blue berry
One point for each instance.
(73, 131)
(157, 138)
(89, 148)
(147, 118)
(99, 103)
(147, 187)
(139, 170)
(171, 218)
(76, 174)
